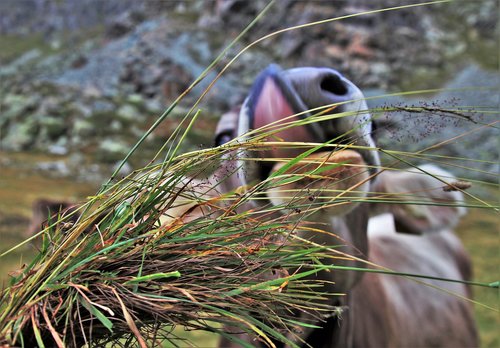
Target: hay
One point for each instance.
(119, 275)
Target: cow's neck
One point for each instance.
(348, 234)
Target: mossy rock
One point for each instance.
(17, 105)
(136, 100)
(52, 127)
(101, 121)
(129, 114)
(83, 128)
(21, 136)
(110, 151)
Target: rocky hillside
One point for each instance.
(89, 77)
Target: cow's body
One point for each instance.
(394, 311)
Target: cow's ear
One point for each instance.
(226, 128)
(436, 208)
(383, 127)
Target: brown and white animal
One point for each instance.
(45, 210)
(382, 310)
(392, 311)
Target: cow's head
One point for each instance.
(279, 97)
(329, 109)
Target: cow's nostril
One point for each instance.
(334, 84)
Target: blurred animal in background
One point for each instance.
(45, 210)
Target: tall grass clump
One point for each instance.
(124, 271)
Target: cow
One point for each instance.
(379, 310)
(45, 210)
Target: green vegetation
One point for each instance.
(479, 233)
(177, 273)
(13, 46)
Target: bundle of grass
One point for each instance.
(138, 262)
